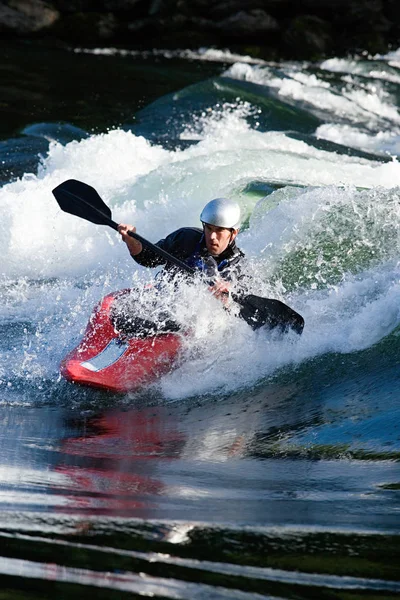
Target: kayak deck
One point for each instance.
(107, 359)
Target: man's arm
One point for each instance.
(143, 256)
(180, 243)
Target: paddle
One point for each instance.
(82, 200)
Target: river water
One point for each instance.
(259, 467)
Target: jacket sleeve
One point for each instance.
(148, 258)
(179, 243)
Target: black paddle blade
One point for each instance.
(257, 312)
(79, 199)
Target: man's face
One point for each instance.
(218, 238)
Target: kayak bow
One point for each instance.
(109, 359)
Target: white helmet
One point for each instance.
(221, 212)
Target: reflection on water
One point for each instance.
(104, 464)
(222, 458)
(125, 498)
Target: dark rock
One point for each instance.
(172, 24)
(157, 6)
(248, 24)
(74, 6)
(158, 25)
(119, 5)
(360, 14)
(366, 14)
(227, 8)
(362, 26)
(87, 27)
(216, 9)
(107, 26)
(357, 24)
(326, 7)
(133, 7)
(194, 7)
(178, 31)
(391, 11)
(26, 16)
(140, 26)
(307, 37)
(278, 28)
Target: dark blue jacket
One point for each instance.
(188, 244)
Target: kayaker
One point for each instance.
(211, 250)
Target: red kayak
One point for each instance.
(118, 360)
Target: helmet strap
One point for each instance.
(230, 239)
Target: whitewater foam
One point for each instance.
(202, 54)
(369, 104)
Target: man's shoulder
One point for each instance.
(195, 231)
(186, 234)
(182, 242)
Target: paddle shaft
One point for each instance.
(172, 259)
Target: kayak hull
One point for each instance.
(112, 361)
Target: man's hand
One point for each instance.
(134, 246)
(220, 290)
